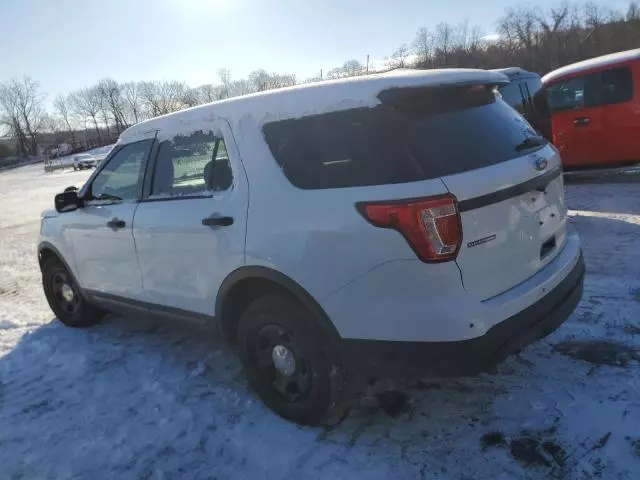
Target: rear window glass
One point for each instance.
(414, 134)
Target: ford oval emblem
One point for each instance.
(540, 163)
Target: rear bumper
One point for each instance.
(402, 359)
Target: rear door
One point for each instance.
(189, 228)
(620, 115)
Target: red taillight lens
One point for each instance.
(430, 225)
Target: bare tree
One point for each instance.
(443, 41)
(61, 104)
(260, 80)
(132, 102)
(113, 102)
(225, 79)
(151, 98)
(423, 46)
(238, 87)
(161, 98)
(87, 105)
(398, 59)
(350, 68)
(208, 93)
(22, 104)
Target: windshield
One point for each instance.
(414, 134)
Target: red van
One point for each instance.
(594, 111)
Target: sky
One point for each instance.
(70, 44)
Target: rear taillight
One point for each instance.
(431, 225)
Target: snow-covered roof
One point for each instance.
(514, 72)
(592, 63)
(310, 98)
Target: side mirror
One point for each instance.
(67, 201)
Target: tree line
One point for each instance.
(535, 39)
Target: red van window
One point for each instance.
(602, 88)
(617, 86)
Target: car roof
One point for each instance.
(592, 63)
(515, 72)
(308, 99)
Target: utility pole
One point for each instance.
(320, 74)
(367, 63)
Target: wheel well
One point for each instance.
(240, 297)
(44, 255)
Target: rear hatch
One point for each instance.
(513, 220)
(453, 168)
(506, 178)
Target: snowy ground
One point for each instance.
(131, 399)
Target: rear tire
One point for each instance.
(288, 358)
(65, 298)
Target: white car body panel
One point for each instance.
(368, 280)
(413, 302)
(105, 259)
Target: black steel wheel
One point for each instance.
(281, 362)
(65, 297)
(288, 358)
(65, 292)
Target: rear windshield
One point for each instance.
(414, 134)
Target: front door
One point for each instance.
(190, 227)
(102, 230)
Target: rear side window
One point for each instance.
(533, 84)
(513, 96)
(617, 86)
(414, 134)
(191, 164)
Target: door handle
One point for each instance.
(582, 121)
(217, 221)
(116, 224)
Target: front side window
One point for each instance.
(567, 95)
(191, 164)
(617, 86)
(121, 177)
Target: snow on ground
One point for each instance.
(133, 399)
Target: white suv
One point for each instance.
(396, 225)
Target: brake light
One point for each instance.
(430, 225)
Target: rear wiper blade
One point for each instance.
(531, 142)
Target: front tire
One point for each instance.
(64, 297)
(288, 359)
